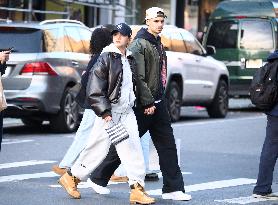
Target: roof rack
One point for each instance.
(61, 21)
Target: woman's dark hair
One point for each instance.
(100, 38)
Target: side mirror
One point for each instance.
(210, 50)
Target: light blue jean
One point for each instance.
(145, 143)
(80, 139)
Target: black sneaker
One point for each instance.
(151, 177)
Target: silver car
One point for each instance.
(194, 77)
(47, 61)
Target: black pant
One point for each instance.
(268, 157)
(159, 126)
(1, 128)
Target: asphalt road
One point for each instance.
(219, 161)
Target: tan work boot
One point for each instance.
(115, 178)
(138, 195)
(70, 185)
(58, 170)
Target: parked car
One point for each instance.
(47, 60)
(194, 77)
(244, 33)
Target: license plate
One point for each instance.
(254, 63)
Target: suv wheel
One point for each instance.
(67, 118)
(31, 122)
(220, 104)
(174, 101)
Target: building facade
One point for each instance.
(189, 14)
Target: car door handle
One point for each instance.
(198, 60)
(75, 63)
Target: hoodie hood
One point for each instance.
(143, 33)
(112, 48)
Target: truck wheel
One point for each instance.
(31, 122)
(174, 98)
(67, 118)
(220, 104)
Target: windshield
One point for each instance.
(223, 34)
(24, 40)
(263, 38)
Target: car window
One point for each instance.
(263, 38)
(177, 42)
(166, 40)
(223, 34)
(191, 43)
(18, 37)
(85, 38)
(73, 41)
(52, 40)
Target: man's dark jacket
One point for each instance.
(148, 52)
(273, 57)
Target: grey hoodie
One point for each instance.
(127, 98)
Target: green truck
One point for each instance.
(243, 33)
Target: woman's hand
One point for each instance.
(4, 56)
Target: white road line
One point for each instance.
(27, 176)
(84, 185)
(244, 200)
(24, 163)
(16, 142)
(210, 185)
(183, 173)
(180, 124)
(190, 188)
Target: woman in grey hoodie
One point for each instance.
(111, 96)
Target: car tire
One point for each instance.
(174, 98)
(220, 104)
(67, 119)
(31, 122)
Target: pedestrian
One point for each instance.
(269, 152)
(4, 56)
(100, 38)
(111, 95)
(151, 109)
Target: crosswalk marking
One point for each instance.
(244, 200)
(15, 142)
(27, 176)
(84, 185)
(194, 187)
(190, 188)
(182, 124)
(24, 163)
(183, 173)
(210, 185)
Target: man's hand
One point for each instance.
(4, 56)
(150, 110)
(108, 118)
